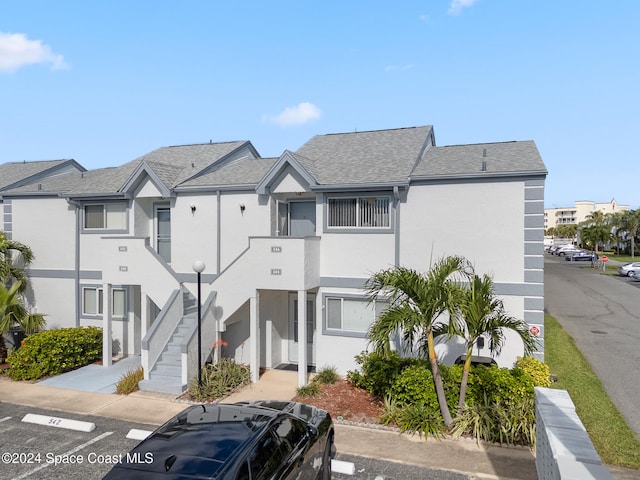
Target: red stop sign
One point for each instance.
(605, 259)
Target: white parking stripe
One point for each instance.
(5, 419)
(136, 434)
(59, 422)
(339, 466)
(70, 452)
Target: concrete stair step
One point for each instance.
(169, 359)
(166, 371)
(162, 384)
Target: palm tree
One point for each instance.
(14, 258)
(11, 310)
(14, 315)
(596, 235)
(631, 224)
(416, 302)
(479, 314)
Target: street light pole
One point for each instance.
(198, 267)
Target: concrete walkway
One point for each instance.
(94, 378)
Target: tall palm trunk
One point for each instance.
(465, 379)
(437, 381)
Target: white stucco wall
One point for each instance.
(47, 226)
(55, 297)
(355, 255)
(193, 235)
(483, 222)
(237, 226)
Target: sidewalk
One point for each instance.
(466, 457)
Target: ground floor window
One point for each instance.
(93, 301)
(351, 314)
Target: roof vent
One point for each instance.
(484, 166)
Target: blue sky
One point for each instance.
(106, 82)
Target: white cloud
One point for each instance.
(301, 113)
(457, 5)
(17, 51)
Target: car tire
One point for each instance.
(629, 273)
(326, 459)
(561, 254)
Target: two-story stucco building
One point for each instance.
(287, 242)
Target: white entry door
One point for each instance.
(293, 328)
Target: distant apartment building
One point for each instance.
(554, 217)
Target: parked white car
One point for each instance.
(626, 269)
(564, 249)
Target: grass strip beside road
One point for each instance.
(614, 441)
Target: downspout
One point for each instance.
(218, 232)
(76, 273)
(396, 196)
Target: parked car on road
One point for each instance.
(564, 249)
(635, 276)
(240, 441)
(627, 268)
(580, 255)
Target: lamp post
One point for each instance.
(198, 267)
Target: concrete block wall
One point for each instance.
(563, 448)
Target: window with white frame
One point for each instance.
(105, 216)
(92, 301)
(118, 302)
(352, 314)
(358, 212)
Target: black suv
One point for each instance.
(240, 441)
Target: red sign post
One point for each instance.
(604, 259)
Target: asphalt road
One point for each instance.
(602, 314)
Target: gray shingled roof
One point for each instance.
(245, 171)
(359, 158)
(383, 156)
(171, 164)
(174, 165)
(467, 160)
(14, 172)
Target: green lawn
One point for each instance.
(614, 441)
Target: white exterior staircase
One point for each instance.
(166, 375)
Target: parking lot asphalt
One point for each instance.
(460, 458)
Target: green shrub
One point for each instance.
(536, 369)
(219, 379)
(53, 352)
(309, 390)
(421, 419)
(415, 386)
(498, 385)
(378, 373)
(129, 381)
(327, 375)
(513, 424)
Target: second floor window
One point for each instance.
(107, 216)
(358, 212)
